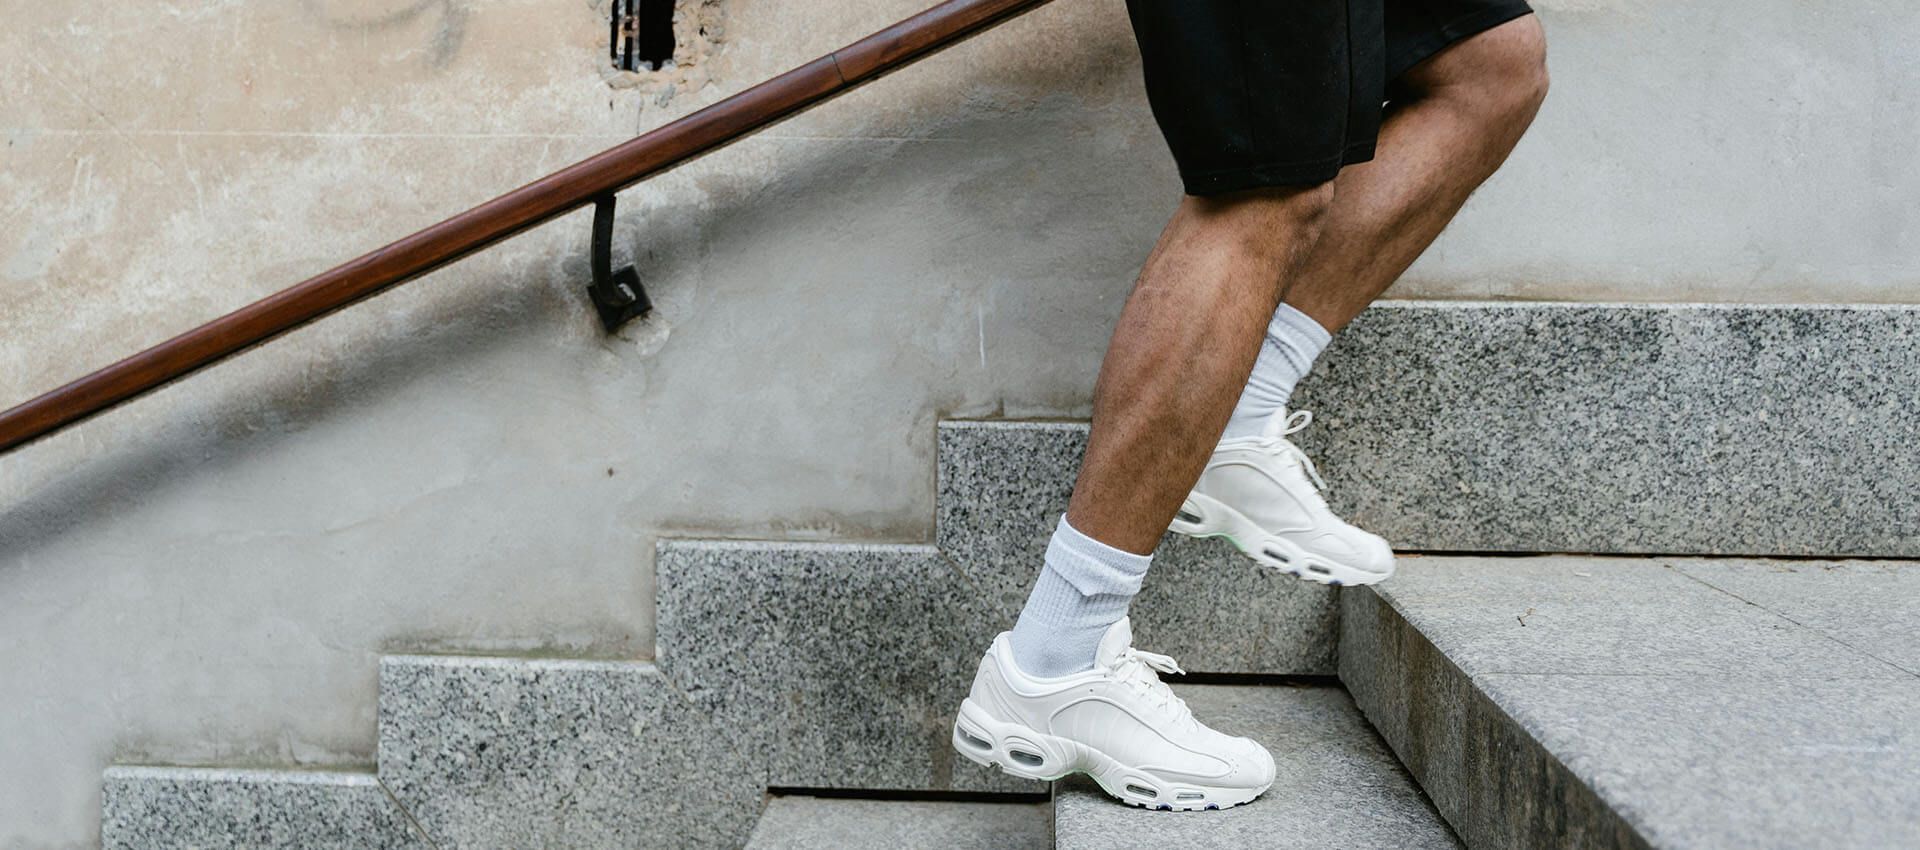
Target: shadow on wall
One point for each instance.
(469, 316)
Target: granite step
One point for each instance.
(186, 808)
(1623, 720)
(541, 752)
(1615, 428)
(1337, 785)
(1003, 485)
(799, 822)
(844, 662)
(1649, 702)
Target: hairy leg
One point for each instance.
(1454, 119)
(1183, 348)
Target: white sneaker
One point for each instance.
(1263, 495)
(1117, 723)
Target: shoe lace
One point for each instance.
(1276, 432)
(1141, 670)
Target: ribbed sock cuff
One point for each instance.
(1093, 567)
(1083, 590)
(1301, 329)
(1294, 340)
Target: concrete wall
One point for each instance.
(207, 575)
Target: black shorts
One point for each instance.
(1253, 93)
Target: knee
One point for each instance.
(1524, 69)
(1310, 211)
(1271, 208)
(1303, 208)
(1500, 75)
(1273, 221)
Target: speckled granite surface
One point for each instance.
(824, 823)
(1756, 430)
(1673, 703)
(179, 808)
(1605, 702)
(1003, 485)
(849, 659)
(498, 752)
(1336, 785)
(1759, 430)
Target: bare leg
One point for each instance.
(1184, 346)
(1188, 336)
(1453, 121)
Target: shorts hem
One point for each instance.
(1455, 31)
(1300, 173)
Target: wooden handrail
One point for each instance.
(535, 203)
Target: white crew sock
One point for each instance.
(1083, 589)
(1294, 340)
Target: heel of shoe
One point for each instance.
(1194, 519)
(1012, 747)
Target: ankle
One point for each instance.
(1084, 588)
(1294, 341)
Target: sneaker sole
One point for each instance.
(1020, 751)
(1204, 516)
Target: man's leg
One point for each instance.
(1065, 690)
(1261, 104)
(1452, 121)
(1181, 352)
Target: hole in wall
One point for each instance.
(640, 34)
(671, 46)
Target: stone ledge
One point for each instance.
(1701, 429)
(164, 808)
(1003, 486)
(1459, 426)
(504, 752)
(848, 660)
(1616, 702)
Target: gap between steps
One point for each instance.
(896, 795)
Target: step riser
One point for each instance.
(165, 808)
(490, 753)
(1749, 430)
(1605, 428)
(846, 662)
(1004, 485)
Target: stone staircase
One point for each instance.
(1564, 701)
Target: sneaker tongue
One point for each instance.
(1119, 636)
